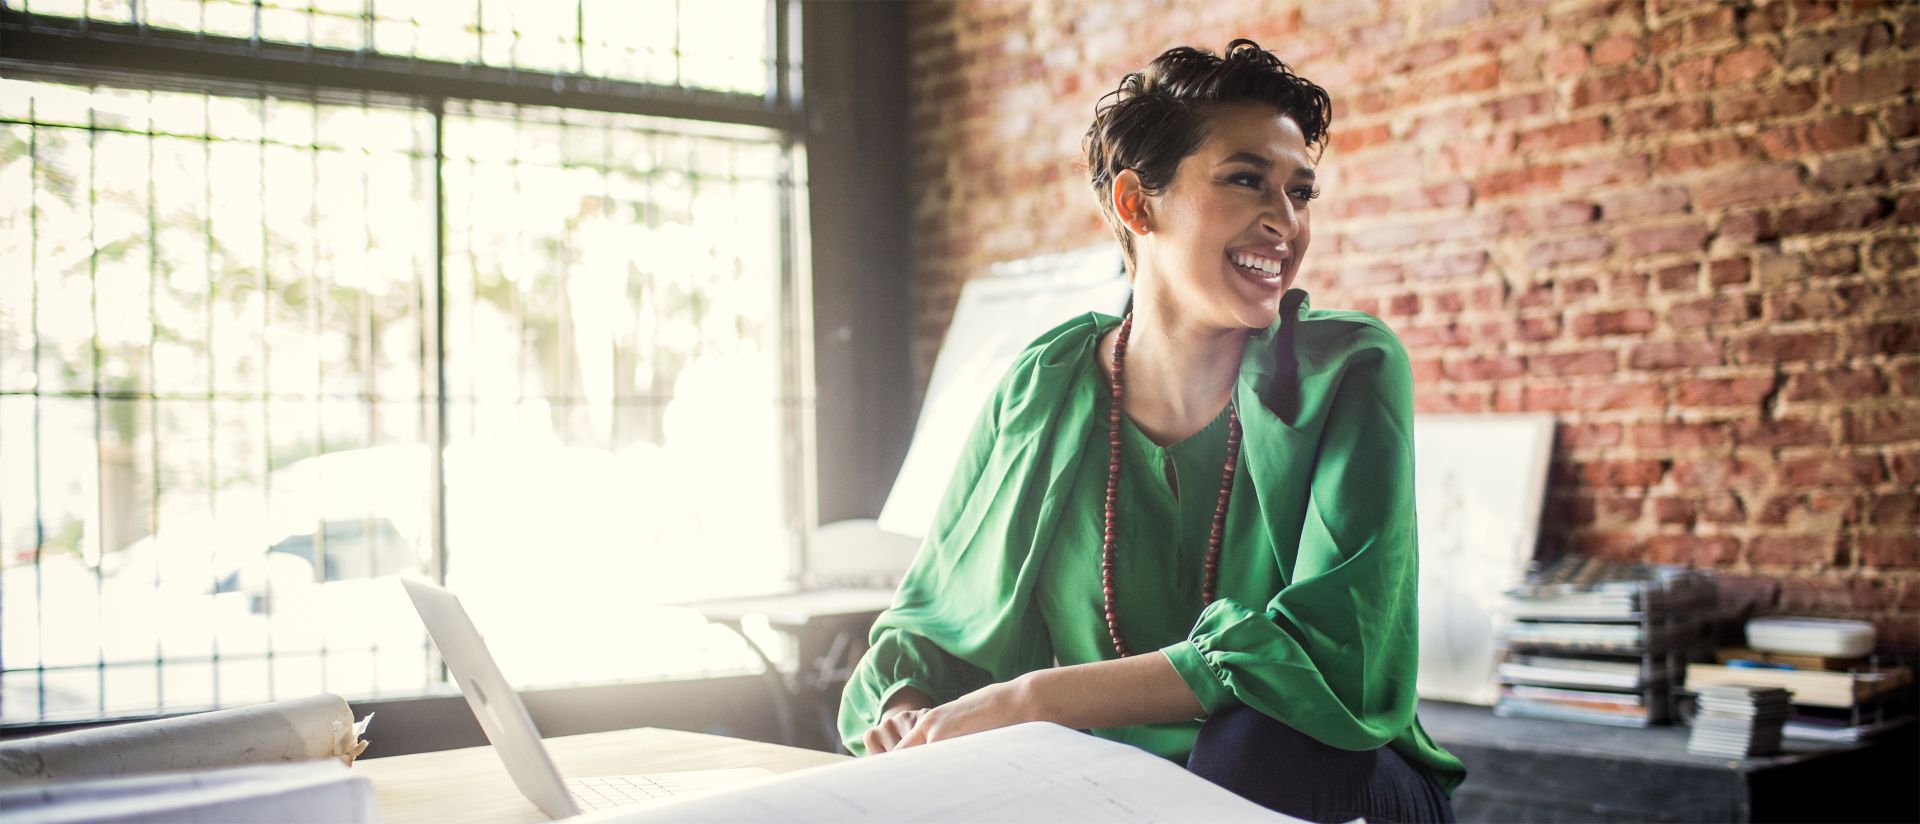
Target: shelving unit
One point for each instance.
(1602, 643)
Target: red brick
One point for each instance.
(1830, 134)
(1886, 339)
(1886, 551)
(1673, 511)
(1793, 550)
(1661, 118)
(1615, 51)
(1677, 354)
(1830, 216)
(1627, 284)
(1893, 255)
(1779, 432)
(1534, 330)
(1743, 65)
(1747, 185)
(1717, 473)
(1785, 347)
(1577, 436)
(1705, 154)
(1809, 512)
(1535, 216)
(1566, 60)
(1630, 169)
(1904, 466)
(1722, 309)
(1655, 240)
(1404, 304)
(1722, 391)
(1883, 424)
(1458, 13)
(1853, 470)
(1679, 436)
(1821, 47)
(1637, 203)
(1721, 508)
(1884, 80)
(1615, 87)
(1450, 267)
(1593, 362)
(1518, 181)
(1908, 375)
(1835, 385)
(1484, 368)
(1817, 302)
(1692, 75)
(1613, 322)
(1728, 271)
(1569, 250)
(1540, 398)
(1903, 121)
(1619, 473)
(1555, 136)
(1895, 509)
(1618, 546)
(1684, 277)
(1520, 106)
(1746, 228)
(1699, 550)
(1439, 403)
(1835, 596)
(1763, 104)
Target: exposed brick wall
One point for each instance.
(1687, 229)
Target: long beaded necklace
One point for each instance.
(1209, 583)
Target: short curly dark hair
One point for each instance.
(1161, 114)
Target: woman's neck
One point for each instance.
(1178, 375)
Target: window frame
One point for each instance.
(134, 56)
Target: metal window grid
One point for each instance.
(138, 55)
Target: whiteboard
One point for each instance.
(997, 317)
(1479, 483)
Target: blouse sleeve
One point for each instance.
(961, 618)
(1334, 654)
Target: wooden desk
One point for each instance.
(471, 785)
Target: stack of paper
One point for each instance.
(1034, 772)
(1739, 722)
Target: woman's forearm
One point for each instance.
(1140, 689)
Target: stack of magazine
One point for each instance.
(1738, 722)
(1599, 642)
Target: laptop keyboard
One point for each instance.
(610, 791)
(616, 791)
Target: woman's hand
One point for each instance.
(987, 708)
(893, 726)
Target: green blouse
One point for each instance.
(1315, 618)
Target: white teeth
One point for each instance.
(1262, 264)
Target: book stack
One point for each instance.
(1828, 705)
(1598, 642)
(1738, 722)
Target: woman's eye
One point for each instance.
(1306, 193)
(1246, 179)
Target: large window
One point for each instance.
(261, 349)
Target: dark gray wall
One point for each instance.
(855, 65)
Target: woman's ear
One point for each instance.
(1130, 202)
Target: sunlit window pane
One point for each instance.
(719, 45)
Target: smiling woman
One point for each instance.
(1190, 528)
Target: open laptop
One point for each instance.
(505, 720)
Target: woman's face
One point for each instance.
(1228, 233)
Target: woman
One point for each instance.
(1192, 528)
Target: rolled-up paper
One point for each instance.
(301, 729)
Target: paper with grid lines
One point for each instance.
(1031, 772)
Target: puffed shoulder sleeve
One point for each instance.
(963, 616)
(1334, 654)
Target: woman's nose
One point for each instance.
(1280, 220)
